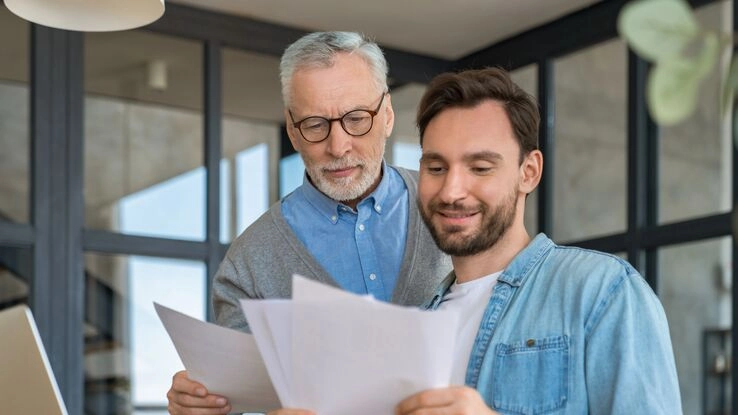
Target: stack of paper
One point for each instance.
(226, 361)
(325, 350)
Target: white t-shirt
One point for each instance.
(469, 299)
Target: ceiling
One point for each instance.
(447, 30)
(442, 29)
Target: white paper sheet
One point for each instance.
(270, 322)
(226, 361)
(326, 350)
(355, 355)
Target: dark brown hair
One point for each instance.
(468, 88)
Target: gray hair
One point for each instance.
(319, 49)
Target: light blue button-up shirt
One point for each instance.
(361, 249)
(572, 331)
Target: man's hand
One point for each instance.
(187, 397)
(451, 400)
(290, 411)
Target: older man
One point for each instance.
(353, 223)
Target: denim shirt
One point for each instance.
(572, 331)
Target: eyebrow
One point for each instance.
(490, 156)
(355, 108)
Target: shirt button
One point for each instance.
(333, 218)
(361, 227)
(378, 208)
(372, 277)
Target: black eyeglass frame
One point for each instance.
(340, 119)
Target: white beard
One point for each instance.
(346, 188)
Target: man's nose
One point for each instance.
(339, 141)
(453, 188)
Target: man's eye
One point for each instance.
(312, 124)
(355, 119)
(481, 169)
(434, 169)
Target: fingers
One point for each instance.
(187, 397)
(427, 399)
(291, 411)
(455, 399)
(189, 401)
(175, 409)
(182, 384)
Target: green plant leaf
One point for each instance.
(657, 29)
(730, 86)
(672, 90)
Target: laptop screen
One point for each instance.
(27, 383)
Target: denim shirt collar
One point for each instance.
(330, 208)
(514, 274)
(518, 269)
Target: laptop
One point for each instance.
(27, 383)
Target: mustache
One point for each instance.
(455, 207)
(342, 163)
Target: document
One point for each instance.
(326, 350)
(270, 321)
(351, 354)
(226, 361)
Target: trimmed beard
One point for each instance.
(345, 188)
(494, 225)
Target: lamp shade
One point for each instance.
(88, 15)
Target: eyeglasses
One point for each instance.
(356, 123)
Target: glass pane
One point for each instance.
(694, 286)
(144, 169)
(129, 358)
(590, 165)
(252, 113)
(403, 147)
(15, 274)
(14, 118)
(695, 166)
(291, 170)
(527, 78)
(406, 155)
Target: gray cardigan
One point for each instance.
(261, 261)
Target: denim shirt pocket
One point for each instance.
(531, 376)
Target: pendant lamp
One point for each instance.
(88, 15)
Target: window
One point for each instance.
(291, 171)
(526, 78)
(590, 165)
(143, 133)
(129, 358)
(403, 146)
(252, 111)
(15, 276)
(695, 281)
(406, 155)
(695, 167)
(14, 119)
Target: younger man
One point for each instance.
(548, 328)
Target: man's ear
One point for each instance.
(530, 171)
(291, 131)
(389, 115)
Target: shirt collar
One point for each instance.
(329, 208)
(514, 274)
